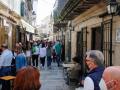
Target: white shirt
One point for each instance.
(28, 53)
(6, 58)
(42, 52)
(89, 84)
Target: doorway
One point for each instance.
(96, 39)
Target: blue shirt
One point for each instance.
(20, 61)
(6, 58)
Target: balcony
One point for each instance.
(74, 8)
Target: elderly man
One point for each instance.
(111, 77)
(5, 64)
(5, 60)
(95, 63)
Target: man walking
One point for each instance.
(58, 51)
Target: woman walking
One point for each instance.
(42, 54)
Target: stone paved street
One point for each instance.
(52, 79)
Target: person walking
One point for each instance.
(49, 54)
(28, 53)
(58, 52)
(35, 54)
(42, 53)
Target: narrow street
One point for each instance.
(52, 79)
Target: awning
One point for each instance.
(28, 27)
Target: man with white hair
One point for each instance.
(94, 61)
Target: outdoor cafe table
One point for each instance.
(10, 79)
(67, 65)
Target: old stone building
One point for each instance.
(92, 28)
(15, 22)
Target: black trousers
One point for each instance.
(42, 59)
(35, 60)
(5, 71)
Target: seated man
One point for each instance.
(74, 72)
(111, 77)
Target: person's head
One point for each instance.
(94, 58)
(75, 60)
(34, 44)
(111, 76)
(4, 46)
(20, 44)
(17, 45)
(49, 44)
(27, 79)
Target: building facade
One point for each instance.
(12, 13)
(92, 28)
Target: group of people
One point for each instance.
(51, 51)
(13, 62)
(10, 63)
(27, 77)
(98, 77)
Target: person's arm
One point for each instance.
(88, 84)
(45, 51)
(1, 60)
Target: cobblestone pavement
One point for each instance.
(52, 79)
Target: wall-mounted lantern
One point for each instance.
(112, 7)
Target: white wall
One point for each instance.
(12, 4)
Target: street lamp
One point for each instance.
(112, 7)
(112, 10)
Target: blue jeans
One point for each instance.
(5, 71)
(49, 60)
